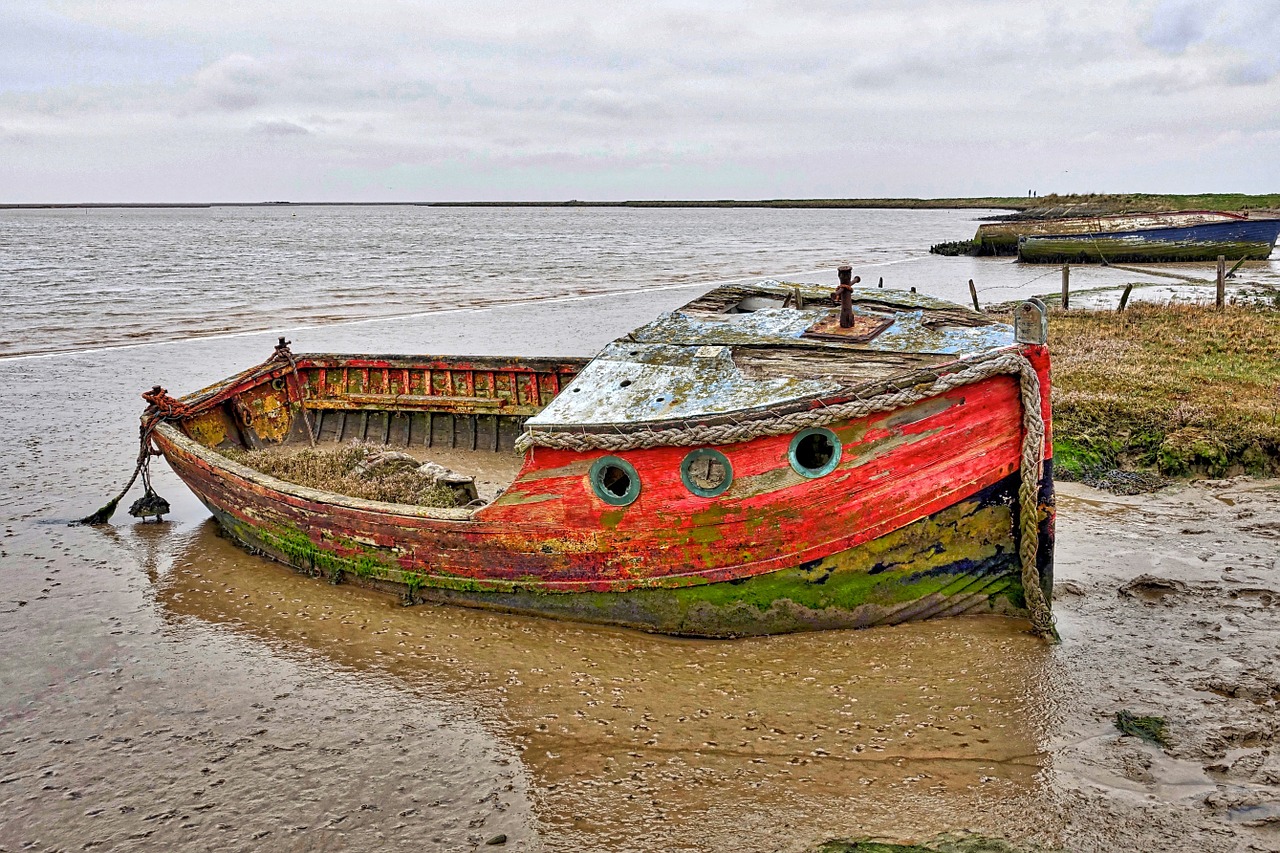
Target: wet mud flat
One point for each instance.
(176, 691)
(1169, 605)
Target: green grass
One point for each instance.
(1183, 389)
(1105, 203)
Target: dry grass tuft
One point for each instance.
(334, 470)
(1183, 388)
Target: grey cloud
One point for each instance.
(280, 127)
(660, 99)
(236, 82)
(1175, 25)
(1242, 34)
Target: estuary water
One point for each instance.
(162, 689)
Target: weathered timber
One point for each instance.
(916, 515)
(1220, 292)
(1124, 297)
(1240, 238)
(1001, 238)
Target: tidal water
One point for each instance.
(162, 689)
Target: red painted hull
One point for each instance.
(549, 534)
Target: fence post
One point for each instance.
(1220, 295)
(1124, 297)
(1066, 286)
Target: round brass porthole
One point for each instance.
(814, 452)
(706, 472)
(615, 481)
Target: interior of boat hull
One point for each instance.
(462, 413)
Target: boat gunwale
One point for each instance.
(1012, 225)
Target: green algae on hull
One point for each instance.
(960, 559)
(1100, 249)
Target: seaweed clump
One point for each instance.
(345, 470)
(955, 248)
(1150, 729)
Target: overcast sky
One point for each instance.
(384, 100)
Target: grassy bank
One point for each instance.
(1181, 389)
(1099, 204)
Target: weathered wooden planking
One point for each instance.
(550, 531)
(1001, 238)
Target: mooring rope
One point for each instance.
(282, 351)
(1032, 456)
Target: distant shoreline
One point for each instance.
(864, 203)
(1029, 207)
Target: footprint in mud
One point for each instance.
(1267, 529)
(1256, 596)
(1152, 589)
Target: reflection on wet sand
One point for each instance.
(638, 740)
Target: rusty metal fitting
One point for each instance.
(844, 295)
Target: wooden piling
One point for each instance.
(881, 284)
(1124, 297)
(1220, 296)
(973, 294)
(1066, 286)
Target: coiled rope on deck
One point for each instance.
(1032, 456)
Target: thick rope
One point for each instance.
(161, 408)
(1032, 458)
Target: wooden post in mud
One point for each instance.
(1220, 295)
(973, 294)
(1066, 286)
(1124, 297)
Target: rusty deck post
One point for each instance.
(844, 294)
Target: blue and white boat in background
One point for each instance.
(1234, 237)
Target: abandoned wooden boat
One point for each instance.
(1001, 238)
(1238, 239)
(762, 460)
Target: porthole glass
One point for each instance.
(814, 452)
(706, 472)
(615, 481)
